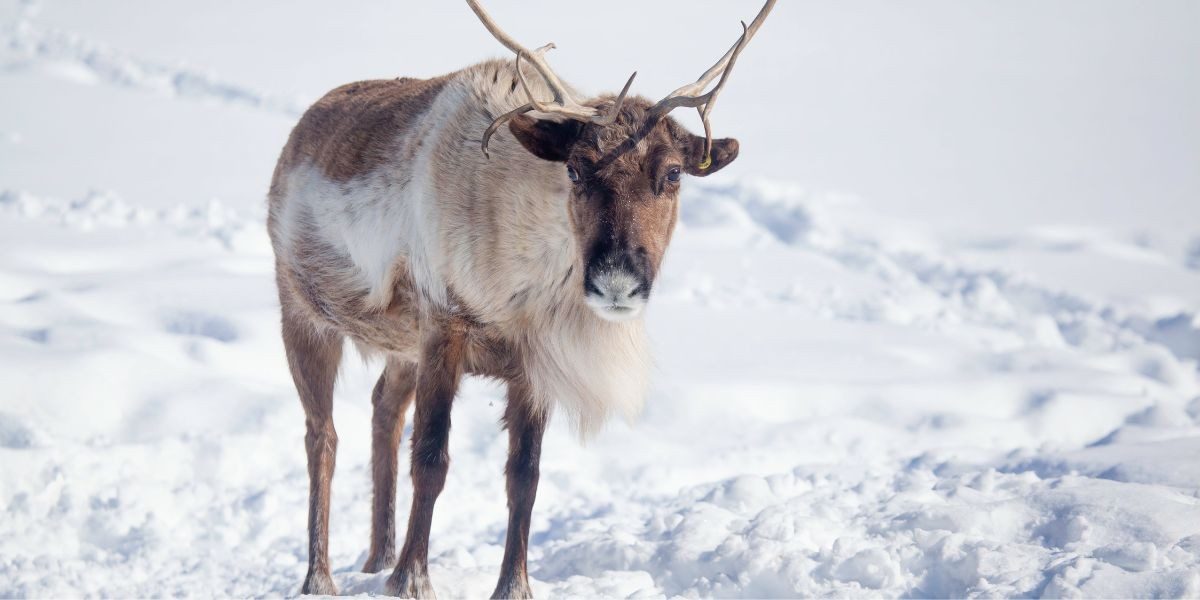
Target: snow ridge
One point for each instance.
(24, 44)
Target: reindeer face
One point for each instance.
(624, 200)
(624, 160)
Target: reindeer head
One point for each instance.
(624, 158)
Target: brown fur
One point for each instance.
(353, 129)
(629, 165)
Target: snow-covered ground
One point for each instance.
(848, 401)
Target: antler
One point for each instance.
(563, 103)
(693, 94)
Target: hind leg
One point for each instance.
(313, 357)
(392, 396)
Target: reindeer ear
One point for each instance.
(547, 140)
(724, 151)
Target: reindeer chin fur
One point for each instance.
(593, 369)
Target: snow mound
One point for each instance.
(902, 532)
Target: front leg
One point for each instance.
(437, 381)
(526, 424)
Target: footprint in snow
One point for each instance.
(201, 325)
(16, 434)
(40, 336)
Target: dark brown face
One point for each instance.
(624, 199)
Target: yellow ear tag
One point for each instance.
(706, 164)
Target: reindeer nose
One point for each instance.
(614, 285)
(615, 294)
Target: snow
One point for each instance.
(850, 399)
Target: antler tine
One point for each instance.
(502, 119)
(611, 116)
(563, 103)
(533, 104)
(694, 89)
(693, 95)
(716, 91)
(556, 86)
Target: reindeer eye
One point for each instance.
(572, 175)
(673, 174)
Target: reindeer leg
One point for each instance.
(391, 398)
(525, 426)
(313, 357)
(437, 381)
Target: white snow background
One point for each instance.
(935, 333)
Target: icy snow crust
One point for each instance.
(845, 404)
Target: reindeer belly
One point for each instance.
(329, 301)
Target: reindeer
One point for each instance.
(530, 261)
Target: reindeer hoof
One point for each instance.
(319, 583)
(410, 583)
(517, 589)
(378, 563)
